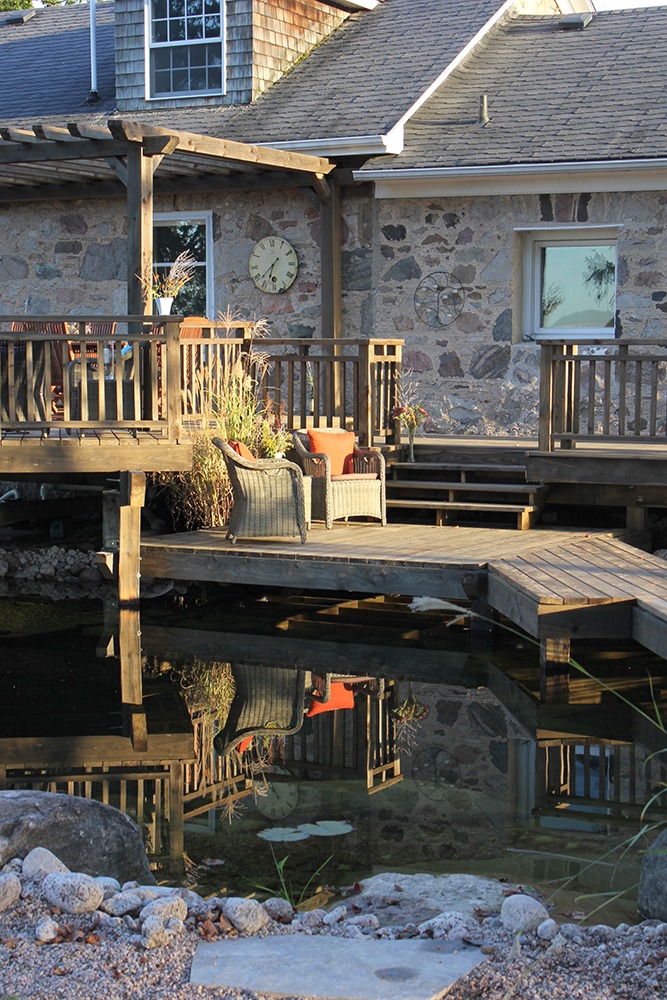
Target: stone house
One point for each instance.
(500, 174)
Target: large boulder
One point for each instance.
(399, 899)
(85, 835)
(652, 894)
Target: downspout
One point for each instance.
(93, 97)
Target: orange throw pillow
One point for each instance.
(342, 696)
(244, 744)
(338, 445)
(242, 449)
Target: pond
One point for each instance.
(320, 738)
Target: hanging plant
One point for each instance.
(411, 710)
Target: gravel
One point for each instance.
(105, 960)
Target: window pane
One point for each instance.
(177, 30)
(159, 31)
(195, 27)
(578, 287)
(170, 239)
(194, 8)
(159, 8)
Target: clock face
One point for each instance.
(279, 801)
(439, 299)
(273, 264)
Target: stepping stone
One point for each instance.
(333, 968)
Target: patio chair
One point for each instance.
(330, 692)
(59, 351)
(346, 481)
(268, 496)
(268, 701)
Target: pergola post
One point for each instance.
(139, 228)
(332, 286)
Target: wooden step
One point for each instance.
(415, 484)
(489, 467)
(525, 514)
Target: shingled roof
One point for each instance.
(46, 62)
(553, 96)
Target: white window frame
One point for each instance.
(171, 218)
(150, 46)
(534, 240)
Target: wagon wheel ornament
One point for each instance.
(435, 771)
(439, 299)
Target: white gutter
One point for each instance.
(518, 178)
(347, 145)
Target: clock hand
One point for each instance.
(268, 270)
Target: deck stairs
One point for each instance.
(464, 492)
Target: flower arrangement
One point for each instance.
(274, 438)
(167, 285)
(411, 415)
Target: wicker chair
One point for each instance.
(268, 496)
(360, 493)
(268, 701)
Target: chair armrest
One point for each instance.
(367, 460)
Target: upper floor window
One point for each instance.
(570, 283)
(186, 47)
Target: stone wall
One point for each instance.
(477, 375)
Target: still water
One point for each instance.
(349, 735)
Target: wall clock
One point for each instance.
(273, 264)
(280, 799)
(439, 299)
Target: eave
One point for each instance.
(520, 178)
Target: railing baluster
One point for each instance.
(639, 373)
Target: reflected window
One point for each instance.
(570, 284)
(172, 234)
(186, 47)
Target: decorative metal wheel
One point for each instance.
(439, 299)
(434, 771)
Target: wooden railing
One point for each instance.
(151, 372)
(603, 391)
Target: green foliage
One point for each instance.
(285, 888)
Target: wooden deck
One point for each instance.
(554, 584)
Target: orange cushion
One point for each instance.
(342, 696)
(353, 476)
(244, 744)
(242, 449)
(338, 445)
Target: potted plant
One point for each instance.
(164, 287)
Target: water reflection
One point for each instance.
(390, 745)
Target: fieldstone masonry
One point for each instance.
(476, 375)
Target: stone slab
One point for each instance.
(334, 968)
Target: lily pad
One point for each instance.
(282, 833)
(325, 828)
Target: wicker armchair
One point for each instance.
(359, 493)
(268, 701)
(268, 496)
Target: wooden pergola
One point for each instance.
(49, 162)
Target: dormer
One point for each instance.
(214, 52)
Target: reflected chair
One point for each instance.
(346, 481)
(330, 692)
(268, 701)
(268, 496)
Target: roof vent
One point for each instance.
(20, 17)
(575, 22)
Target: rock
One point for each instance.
(167, 906)
(10, 890)
(336, 915)
(279, 909)
(364, 921)
(46, 930)
(72, 892)
(197, 906)
(522, 913)
(157, 931)
(40, 862)
(110, 885)
(311, 918)
(547, 930)
(85, 835)
(122, 903)
(449, 926)
(652, 892)
(247, 915)
(401, 899)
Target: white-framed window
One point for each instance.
(172, 234)
(569, 282)
(185, 47)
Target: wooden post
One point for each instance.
(545, 440)
(365, 401)
(132, 495)
(139, 228)
(555, 670)
(176, 812)
(332, 294)
(131, 688)
(171, 385)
